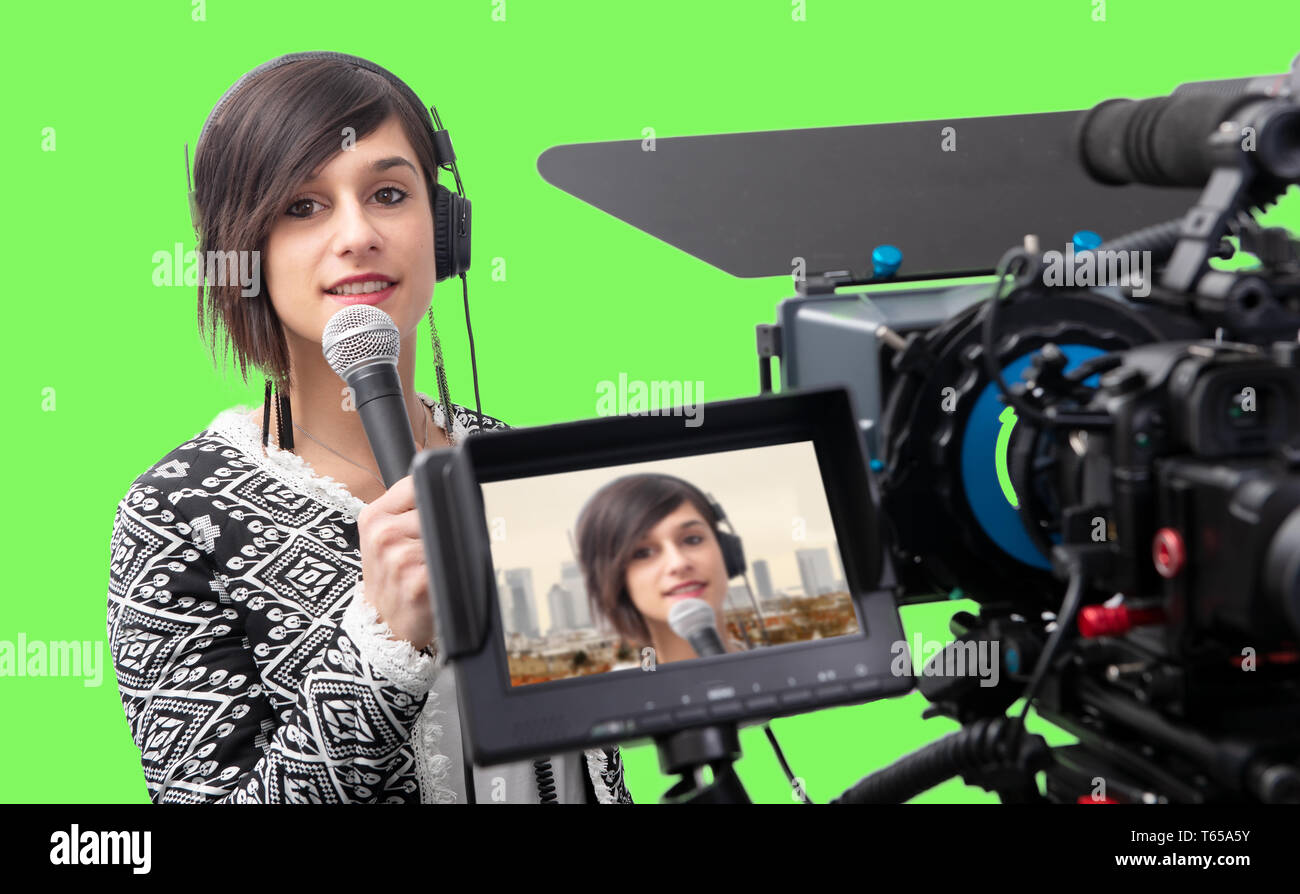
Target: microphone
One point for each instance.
(361, 344)
(693, 620)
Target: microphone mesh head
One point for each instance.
(689, 616)
(358, 334)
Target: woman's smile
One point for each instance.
(376, 297)
(690, 590)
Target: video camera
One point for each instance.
(1127, 515)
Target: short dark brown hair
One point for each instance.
(272, 136)
(609, 527)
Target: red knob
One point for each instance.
(1098, 620)
(1168, 552)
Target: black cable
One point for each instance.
(545, 781)
(1104, 363)
(1064, 620)
(1079, 390)
(975, 751)
(785, 765)
(1019, 258)
(989, 324)
(460, 190)
(473, 364)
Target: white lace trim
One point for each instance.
(458, 429)
(431, 765)
(396, 659)
(295, 471)
(597, 762)
(413, 672)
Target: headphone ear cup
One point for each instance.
(442, 231)
(451, 221)
(733, 554)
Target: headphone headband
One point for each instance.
(313, 54)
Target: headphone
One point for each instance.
(451, 211)
(733, 554)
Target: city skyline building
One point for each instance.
(815, 571)
(763, 579)
(571, 580)
(522, 606)
(560, 602)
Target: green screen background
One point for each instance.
(585, 297)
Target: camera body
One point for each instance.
(1196, 487)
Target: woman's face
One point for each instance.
(367, 211)
(679, 557)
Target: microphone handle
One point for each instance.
(378, 394)
(706, 642)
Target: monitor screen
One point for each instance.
(590, 563)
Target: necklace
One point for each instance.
(424, 438)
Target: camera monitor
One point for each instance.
(621, 578)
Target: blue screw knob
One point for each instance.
(885, 261)
(1086, 240)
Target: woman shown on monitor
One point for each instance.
(644, 543)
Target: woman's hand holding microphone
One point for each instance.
(392, 564)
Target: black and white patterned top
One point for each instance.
(250, 666)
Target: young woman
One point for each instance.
(268, 607)
(645, 542)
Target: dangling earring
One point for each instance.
(266, 415)
(444, 395)
(283, 418)
(284, 415)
